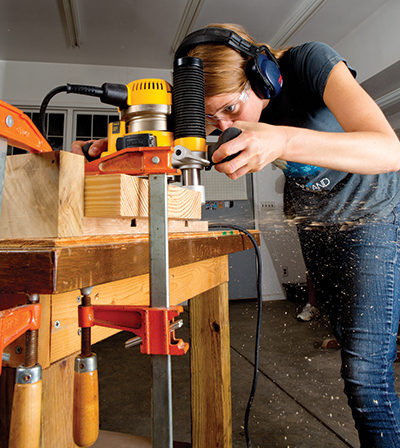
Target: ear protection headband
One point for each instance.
(262, 69)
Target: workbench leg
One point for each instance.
(211, 369)
(57, 404)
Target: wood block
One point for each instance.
(182, 203)
(43, 196)
(123, 196)
(114, 195)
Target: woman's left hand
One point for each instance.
(258, 145)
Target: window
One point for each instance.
(93, 125)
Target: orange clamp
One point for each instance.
(16, 321)
(19, 130)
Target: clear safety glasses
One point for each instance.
(232, 110)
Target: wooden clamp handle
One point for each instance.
(26, 408)
(86, 401)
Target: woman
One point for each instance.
(340, 157)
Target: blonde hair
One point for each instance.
(224, 67)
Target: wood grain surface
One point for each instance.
(46, 266)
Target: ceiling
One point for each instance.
(142, 33)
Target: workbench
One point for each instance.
(118, 268)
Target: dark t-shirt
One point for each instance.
(314, 194)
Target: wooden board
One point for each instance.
(43, 196)
(46, 266)
(123, 196)
(210, 369)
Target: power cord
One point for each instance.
(109, 93)
(259, 317)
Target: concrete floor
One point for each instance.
(299, 401)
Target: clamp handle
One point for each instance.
(86, 389)
(86, 401)
(26, 408)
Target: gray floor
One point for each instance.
(299, 400)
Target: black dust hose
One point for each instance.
(113, 94)
(258, 329)
(188, 98)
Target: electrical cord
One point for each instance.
(259, 317)
(113, 94)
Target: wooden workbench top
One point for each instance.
(53, 265)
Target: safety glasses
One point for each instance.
(232, 110)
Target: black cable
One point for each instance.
(43, 107)
(259, 317)
(113, 94)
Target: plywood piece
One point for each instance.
(137, 226)
(120, 195)
(185, 282)
(43, 196)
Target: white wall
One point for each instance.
(374, 44)
(27, 83)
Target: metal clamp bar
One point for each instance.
(133, 342)
(162, 426)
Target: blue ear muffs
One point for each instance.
(264, 76)
(262, 69)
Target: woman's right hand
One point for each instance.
(98, 146)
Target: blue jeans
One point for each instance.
(356, 274)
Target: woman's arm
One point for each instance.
(368, 145)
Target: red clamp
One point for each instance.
(14, 322)
(151, 324)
